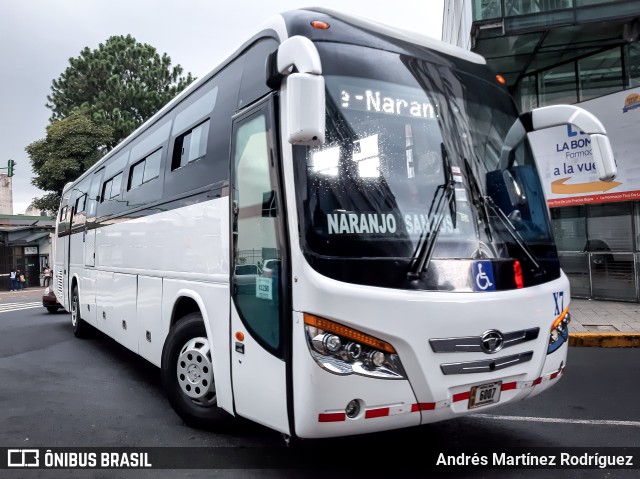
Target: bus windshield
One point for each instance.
(396, 145)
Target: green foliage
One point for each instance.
(48, 203)
(122, 84)
(101, 98)
(71, 146)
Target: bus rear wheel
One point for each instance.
(187, 375)
(80, 327)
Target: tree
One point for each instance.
(122, 84)
(71, 146)
(101, 97)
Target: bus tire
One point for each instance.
(80, 327)
(187, 375)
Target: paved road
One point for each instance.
(56, 390)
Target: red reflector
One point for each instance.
(509, 386)
(537, 381)
(423, 406)
(461, 396)
(517, 274)
(332, 417)
(380, 412)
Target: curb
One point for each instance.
(605, 340)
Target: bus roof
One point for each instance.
(403, 35)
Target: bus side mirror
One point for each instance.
(558, 115)
(297, 62)
(305, 109)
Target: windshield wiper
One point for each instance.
(486, 202)
(445, 195)
(508, 225)
(478, 200)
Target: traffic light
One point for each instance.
(10, 165)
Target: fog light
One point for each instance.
(332, 343)
(378, 358)
(375, 358)
(353, 408)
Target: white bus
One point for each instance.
(339, 230)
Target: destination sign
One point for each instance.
(378, 101)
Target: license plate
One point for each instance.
(484, 394)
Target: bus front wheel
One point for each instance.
(187, 375)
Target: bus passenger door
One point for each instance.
(258, 315)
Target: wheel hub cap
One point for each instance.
(194, 374)
(195, 371)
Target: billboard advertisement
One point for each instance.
(565, 159)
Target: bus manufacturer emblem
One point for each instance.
(491, 341)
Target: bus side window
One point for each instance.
(79, 204)
(145, 170)
(144, 178)
(94, 191)
(63, 214)
(62, 222)
(199, 148)
(191, 145)
(110, 191)
(111, 188)
(253, 84)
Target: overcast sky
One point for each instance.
(37, 38)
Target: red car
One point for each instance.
(50, 301)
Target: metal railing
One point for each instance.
(603, 275)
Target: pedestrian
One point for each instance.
(12, 278)
(19, 279)
(47, 276)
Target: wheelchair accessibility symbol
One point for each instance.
(483, 276)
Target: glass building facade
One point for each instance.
(558, 52)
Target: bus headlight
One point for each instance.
(343, 350)
(559, 332)
(331, 343)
